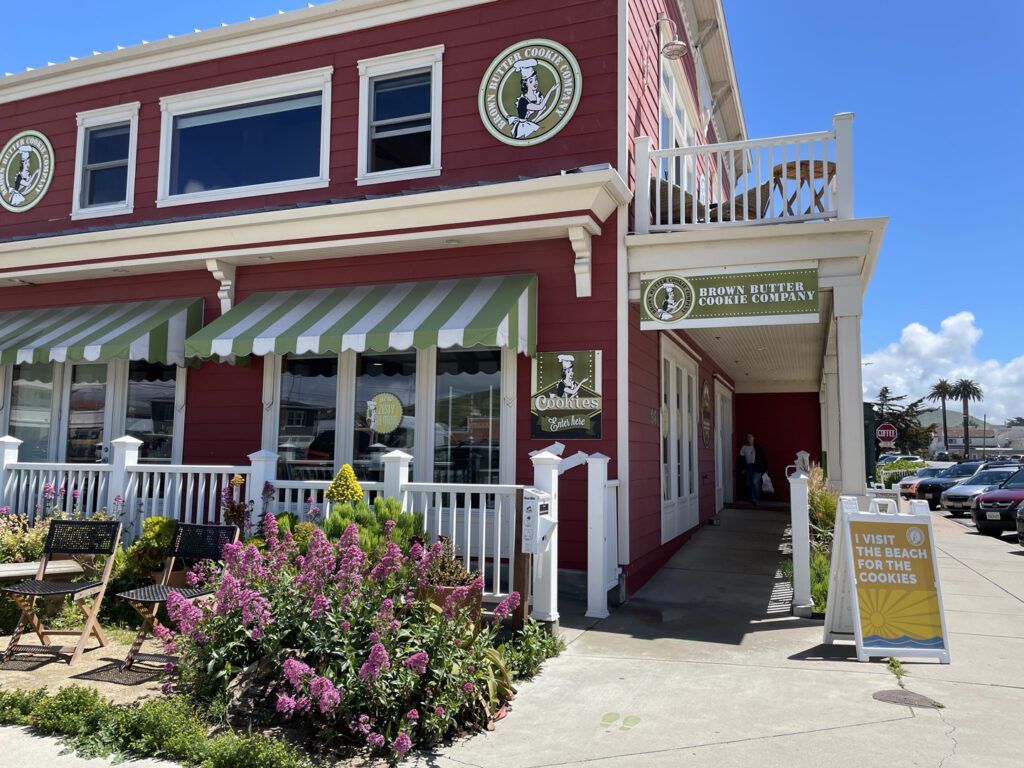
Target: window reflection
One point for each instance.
(150, 413)
(308, 418)
(467, 417)
(385, 411)
(87, 404)
(31, 406)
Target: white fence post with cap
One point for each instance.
(597, 533)
(801, 535)
(124, 455)
(264, 470)
(396, 473)
(545, 565)
(9, 447)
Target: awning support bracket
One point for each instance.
(224, 273)
(581, 245)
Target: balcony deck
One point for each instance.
(783, 179)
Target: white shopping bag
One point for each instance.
(766, 484)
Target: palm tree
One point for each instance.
(941, 391)
(966, 390)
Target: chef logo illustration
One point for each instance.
(530, 92)
(26, 169)
(668, 298)
(568, 386)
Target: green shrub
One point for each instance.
(286, 522)
(160, 728)
(73, 711)
(169, 728)
(820, 568)
(528, 649)
(16, 706)
(148, 552)
(230, 751)
(302, 534)
(19, 541)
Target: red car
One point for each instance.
(996, 511)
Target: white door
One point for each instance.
(86, 406)
(679, 501)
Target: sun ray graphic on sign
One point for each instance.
(898, 613)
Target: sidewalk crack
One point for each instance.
(951, 733)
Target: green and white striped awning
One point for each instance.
(486, 311)
(154, 331)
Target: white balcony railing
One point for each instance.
(804, 177)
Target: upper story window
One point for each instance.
(400, 116)
(254, 138)
(677, 128)
(105, 165)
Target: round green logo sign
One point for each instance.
(383, 413)
(669, 298)
(530, 92)
(26, 170)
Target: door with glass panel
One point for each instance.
(678, 443)
(85, 413)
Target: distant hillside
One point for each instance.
(954, 417)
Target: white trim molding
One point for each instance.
(101, 118)
(237, 94)
(313, 23)
(547, 208)
(405, 62)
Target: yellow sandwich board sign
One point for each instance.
(884, 586)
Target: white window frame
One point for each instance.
(115, 407)
(101, 118)
(396, 64)
(237, 94)
(426, 399)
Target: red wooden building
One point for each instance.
(365, 225)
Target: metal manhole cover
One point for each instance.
(905, 699)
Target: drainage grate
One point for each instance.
(905, 699)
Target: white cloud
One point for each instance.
(922, 356)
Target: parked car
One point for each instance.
(890, 458)
(930, 489)
(1020, 527)
(998, 511)
(907, 486)
(959, 499)
(942, 456)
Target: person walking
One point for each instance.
(754, 464)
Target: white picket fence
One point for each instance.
(801, 177)
(480, 520)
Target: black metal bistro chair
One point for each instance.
(75, 538)
(189, 542)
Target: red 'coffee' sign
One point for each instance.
(886, 433)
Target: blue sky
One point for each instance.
(937, 90)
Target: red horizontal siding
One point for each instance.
(472, 38)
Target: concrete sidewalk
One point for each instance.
(705, 667)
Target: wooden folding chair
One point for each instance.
(190, 542)
(66, 537)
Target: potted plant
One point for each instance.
(445, 573)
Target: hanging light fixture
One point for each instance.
(673, 50)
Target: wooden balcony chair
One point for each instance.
(189, 542)
(75, 538)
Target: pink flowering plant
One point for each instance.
(364, 659)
